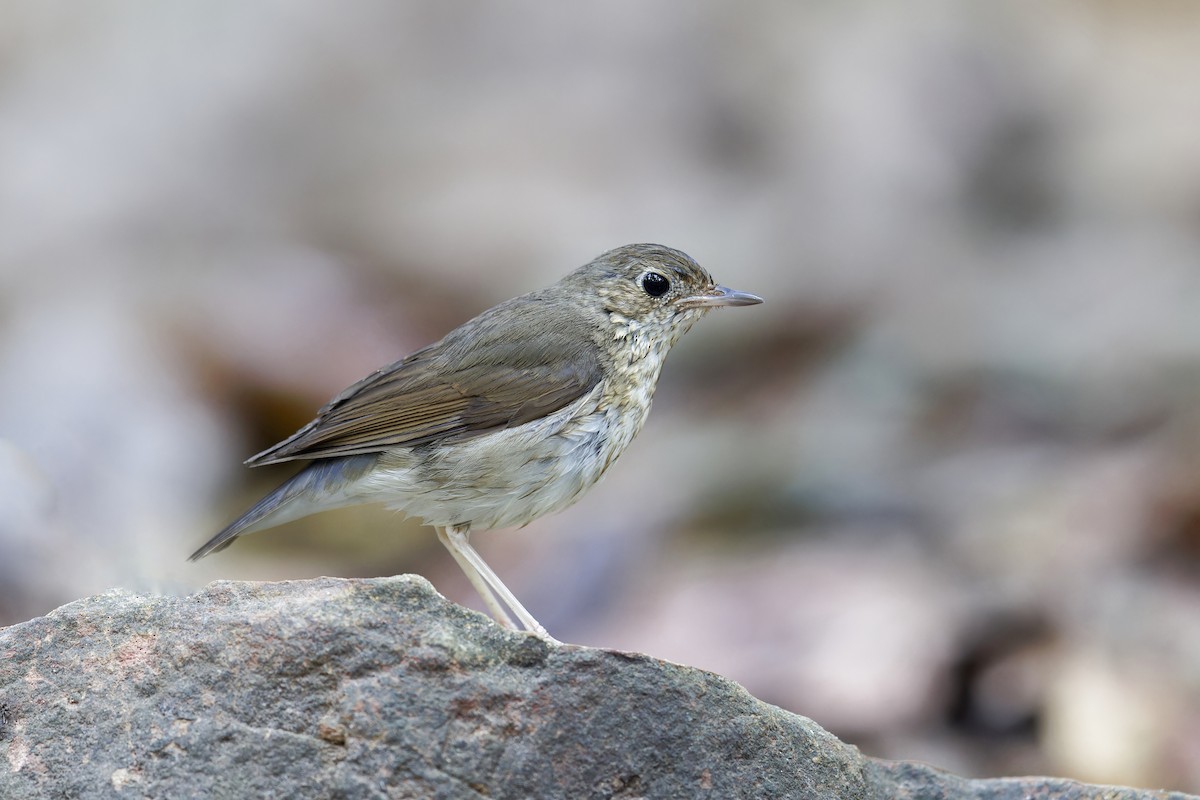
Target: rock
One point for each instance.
(381, 688)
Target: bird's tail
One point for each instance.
(320, 486)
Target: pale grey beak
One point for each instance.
(719, 296)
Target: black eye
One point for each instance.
(656, 285)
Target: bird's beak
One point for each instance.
(719, 296)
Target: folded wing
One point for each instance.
(507, 367)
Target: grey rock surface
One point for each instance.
(383, 689)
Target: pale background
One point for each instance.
(940, 493)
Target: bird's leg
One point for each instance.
(478, 581)
(485, 581)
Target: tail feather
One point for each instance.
(320, 486)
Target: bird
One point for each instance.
(510, 416)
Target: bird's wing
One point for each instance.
(479, 379)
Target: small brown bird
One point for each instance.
(509, 417)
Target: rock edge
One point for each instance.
(383, 689)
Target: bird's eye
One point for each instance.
(655, 284)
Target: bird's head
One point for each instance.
(651, 291)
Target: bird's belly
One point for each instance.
(509, 477)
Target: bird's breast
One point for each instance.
(512, 476)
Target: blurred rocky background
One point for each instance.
(940, 493)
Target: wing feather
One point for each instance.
(505, 368)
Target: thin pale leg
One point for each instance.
(481, 587)
(477, 570)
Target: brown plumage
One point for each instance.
(509, 417)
